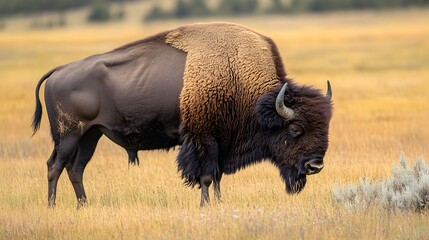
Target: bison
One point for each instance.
(218, 90)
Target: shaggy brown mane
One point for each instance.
(311, 100)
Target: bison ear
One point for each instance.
(266, 113)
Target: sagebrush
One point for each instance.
(407, 189)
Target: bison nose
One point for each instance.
(313, 166)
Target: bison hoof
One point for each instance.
(81, 202)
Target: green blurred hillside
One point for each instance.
(12, 7)
(36, 14)
(198, 8)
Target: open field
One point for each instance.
(377, 63)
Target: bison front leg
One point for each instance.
(198, 162)
(216, 186)
(205, 182)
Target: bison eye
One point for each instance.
(295, 130)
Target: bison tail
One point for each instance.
(37, 117)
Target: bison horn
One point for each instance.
(329, 91)
(281, 108)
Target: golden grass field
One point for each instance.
(378, 64)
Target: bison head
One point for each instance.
(296, 119)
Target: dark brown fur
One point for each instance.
(228, 113)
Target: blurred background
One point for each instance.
(62, 13)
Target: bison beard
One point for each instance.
(294, 180)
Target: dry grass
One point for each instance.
(377, 64)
